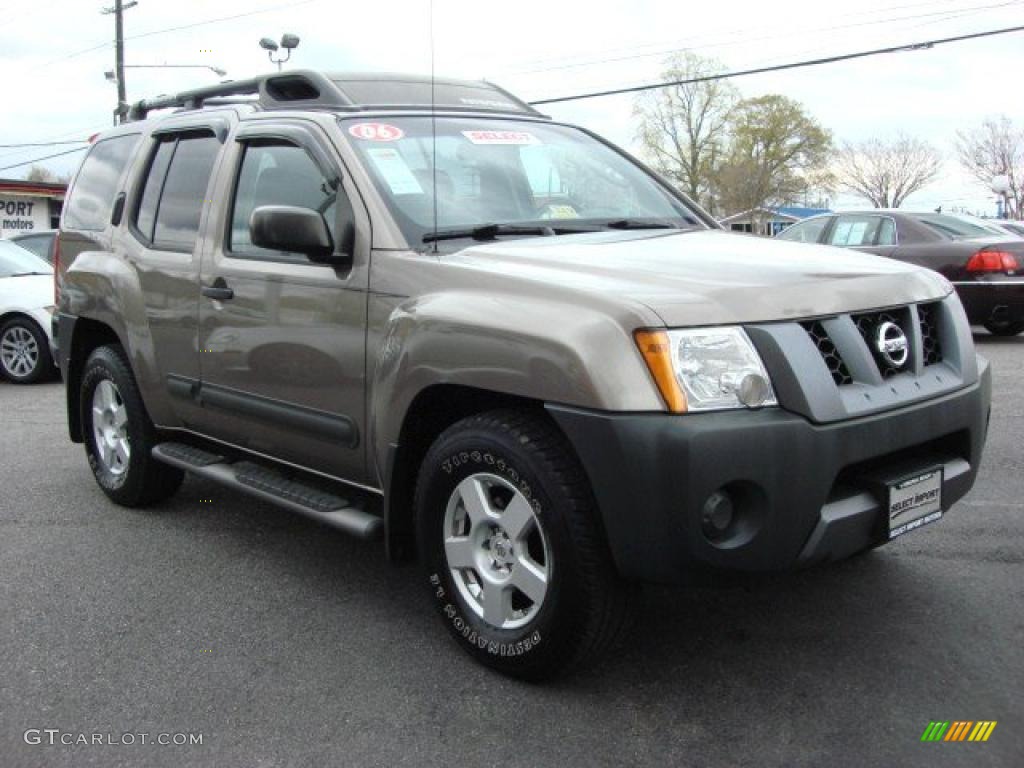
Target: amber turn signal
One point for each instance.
(657, 352)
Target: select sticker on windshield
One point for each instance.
(395, 171)
(376, 132)
(501, 137)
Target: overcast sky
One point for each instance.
(55, 52)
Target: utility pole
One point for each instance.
(121, 113)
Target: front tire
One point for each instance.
(25, 352)
(514, 551)
(1004, 328)
(119, 437)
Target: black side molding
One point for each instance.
(335, 427)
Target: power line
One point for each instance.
(43, 143)
(779, 67)
(218, 20)
(40, 159)
(154, 32)
(945, 15)
(678, 43)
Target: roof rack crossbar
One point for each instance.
(307, 89)
(194, 99)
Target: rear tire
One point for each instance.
(25, 352)
(1004, 328)
(537, 594)
(118, 435)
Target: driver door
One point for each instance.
(282, 339)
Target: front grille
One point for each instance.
(931, 344)
(829, 353)
(867, 324)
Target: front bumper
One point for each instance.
(804, 492)
(1002, 301)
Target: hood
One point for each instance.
(26, 293)
(709, 276)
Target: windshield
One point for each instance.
(507, 172)
(15, 260)
(953, 226)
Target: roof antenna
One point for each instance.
(433, 126)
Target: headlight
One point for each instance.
(706, 369)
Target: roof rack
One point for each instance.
(308, 89)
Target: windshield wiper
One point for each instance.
(491, 231)
(26, 274)
(640, 224)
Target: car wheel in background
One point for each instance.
(1004, 327)
(25, 352)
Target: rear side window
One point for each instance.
(92, 196)
(37, 244)
(175, 190)
(854, 231)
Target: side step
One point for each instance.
(269, 485)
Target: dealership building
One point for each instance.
(29, 206)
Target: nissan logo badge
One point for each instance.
(891, 343)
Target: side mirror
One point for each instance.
(293, 229)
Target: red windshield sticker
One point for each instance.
(501, 137)
(376, 132)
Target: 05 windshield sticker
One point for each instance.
(376, 132)
(501, 137)
(395, 171)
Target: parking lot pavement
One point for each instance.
(284, 643)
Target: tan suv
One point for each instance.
(426, 312)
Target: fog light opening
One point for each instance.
(754, 390)
(717, 515)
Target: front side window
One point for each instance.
(805, 231)
(274, 173)
(501, 171)
(92, 196)
(174, 193)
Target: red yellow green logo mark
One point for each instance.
(958, 730)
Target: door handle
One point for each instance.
(219, 290)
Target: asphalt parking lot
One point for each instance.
(285, 643)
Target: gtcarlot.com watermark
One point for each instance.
(57, 737)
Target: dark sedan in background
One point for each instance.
(987, 269)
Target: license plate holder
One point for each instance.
(913, 501)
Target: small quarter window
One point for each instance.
(94, 190)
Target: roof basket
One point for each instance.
(308, 89)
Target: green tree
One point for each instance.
(684, 128)
(777, 154)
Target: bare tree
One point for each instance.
(886, 173)
(683, 128)
(996, 148)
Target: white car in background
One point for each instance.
(26, 306)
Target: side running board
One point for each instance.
(271, 486)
